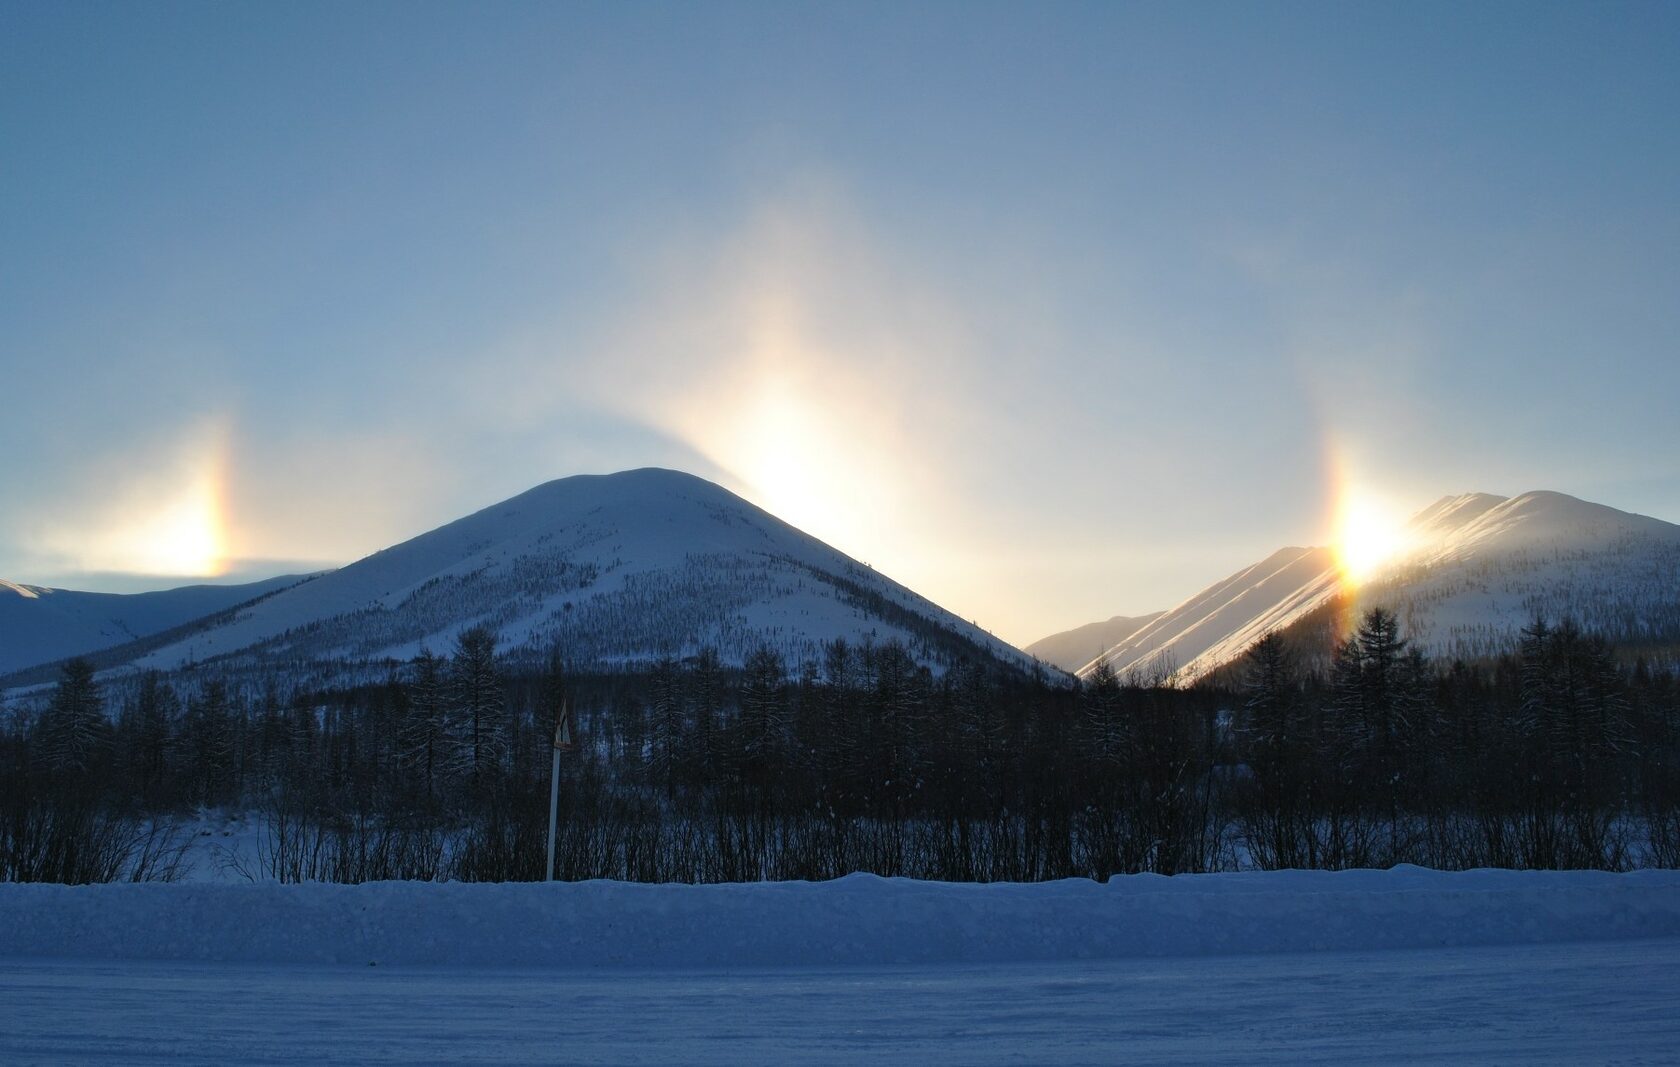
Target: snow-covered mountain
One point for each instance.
(1199, 633)
(610, 569)
(1072, 649)
(39, 624)
(1476, 569)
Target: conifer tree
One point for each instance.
(665, 725)
(477, 709)
(209, 742)
(1378, 706)
(424, 743)
(148, 749)
(1102, 730)
(74, 732)
(705, 684)
(1275, 746)
(764, 719)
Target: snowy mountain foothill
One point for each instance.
(1474, 571)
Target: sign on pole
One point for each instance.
(562, 743)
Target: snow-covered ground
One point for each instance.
(1480, 966)
(860, 919)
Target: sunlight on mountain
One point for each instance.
(1368, 534)
(807, 401)
(783, 450)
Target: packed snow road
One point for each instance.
(1595, 1002)
(1478, 966)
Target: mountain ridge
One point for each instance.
(1477, 568)
(43, 624)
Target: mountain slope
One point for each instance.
(611, 569)
(1265, 596)
(1477, 568)
(39, 624)
(1072, 649)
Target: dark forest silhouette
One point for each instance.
(1553, 756)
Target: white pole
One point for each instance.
(553, 801)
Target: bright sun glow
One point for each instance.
(169, 520)
(184, 537)
(1368, 534)
(804, 417)
(793, 461)
(777, 452)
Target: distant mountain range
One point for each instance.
(1073, 649)
(625, 568)
(1477, 568)
(611, 569)
(39, 624)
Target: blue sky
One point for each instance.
(1052, 312)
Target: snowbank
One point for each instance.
(857, 920)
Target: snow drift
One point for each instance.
(861, 919)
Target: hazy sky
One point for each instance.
(1052, 312)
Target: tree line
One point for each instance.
(1555, 755)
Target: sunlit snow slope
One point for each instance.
(611, 568)
(1477, 568)
(1072, 649)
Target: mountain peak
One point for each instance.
(637, 477)
(28, 592)
(1452, 512)
(639, 483)
(610, 568)
(1538, 520)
